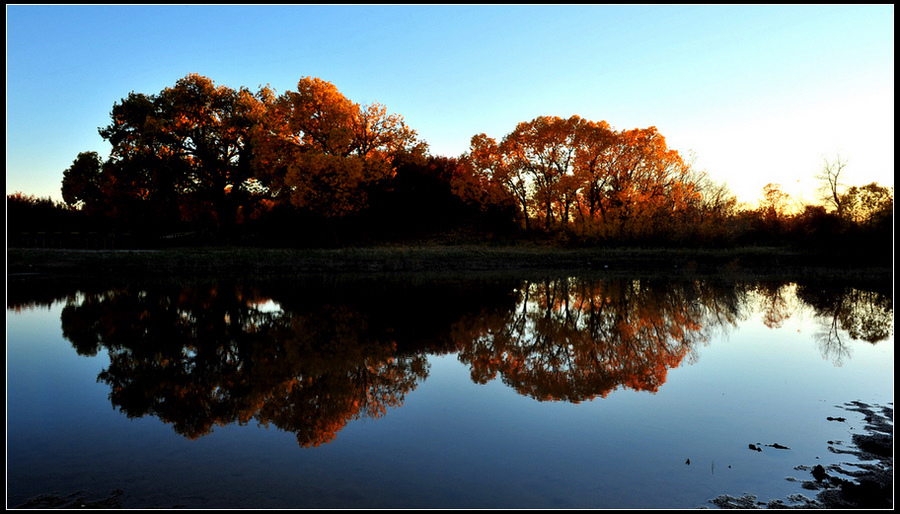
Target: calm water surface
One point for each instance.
(456, 392)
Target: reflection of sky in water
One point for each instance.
(267, 306)
(757, 385)
(457, 443)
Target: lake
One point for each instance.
(438, 391)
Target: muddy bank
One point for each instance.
(868, 484)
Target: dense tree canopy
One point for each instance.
(325, 151)
(81, 180)
(213, 156)
(575, 172)
(186, 151)
(308, 164)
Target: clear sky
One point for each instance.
(759, 94)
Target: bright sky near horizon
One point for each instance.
(758, 94)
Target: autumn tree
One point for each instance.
(207, 128)
(544, 150)
(868, 205)
(185, 153)
(490, 178)
(595, 160)
(650, 183)
(136, 181)
(324, 152)
(616, 184)
(774, 202)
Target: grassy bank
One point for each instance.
(222, 261)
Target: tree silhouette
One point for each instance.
(184, 154)
(81, 181)
(831, 188)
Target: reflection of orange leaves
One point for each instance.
(207, 356)
(584, 339)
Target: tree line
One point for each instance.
(310, 167)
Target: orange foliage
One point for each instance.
(324, 150)
(576, 340)
(580, 173)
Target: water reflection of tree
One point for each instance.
(339, 371)
(197, 356)
(202, 356)
(775, 302)
(866, 315)
(574, 340)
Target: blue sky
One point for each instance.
(758, 94)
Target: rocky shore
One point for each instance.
(869, 486)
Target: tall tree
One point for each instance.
(490, 179)
(191, 145)
(595, 159)
(326, 151)
(140, 177)
(618, 183)
(773, 204)
(868, 205)
(544, 148)
(830, 188)
(81, 181)
(649, 180)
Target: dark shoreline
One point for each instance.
(750, 262)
